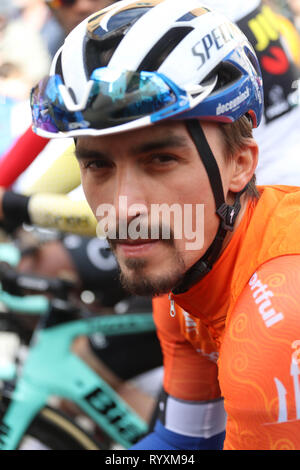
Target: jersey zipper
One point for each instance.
(172, 306)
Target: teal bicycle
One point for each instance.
(52, 370)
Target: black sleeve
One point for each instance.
(15, 210)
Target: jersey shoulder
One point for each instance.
(270, 300)
(259, 365)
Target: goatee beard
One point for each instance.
(137, 283)
(134, 279)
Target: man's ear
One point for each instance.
(244, 165)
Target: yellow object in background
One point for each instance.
(292, 38)
(60, 212)
(62, 177)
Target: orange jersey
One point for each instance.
(246, 310)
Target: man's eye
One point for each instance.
(96, 164)
(162, 159)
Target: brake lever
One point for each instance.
(15, 283)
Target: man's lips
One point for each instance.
(139, 241)
(138, 247)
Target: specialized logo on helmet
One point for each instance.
(214, 40)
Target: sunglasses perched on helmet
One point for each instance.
(56, 4)
(111, 99)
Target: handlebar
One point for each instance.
(9, 254)
(14, 285)
(59, 309)
(15, 282)
(31, 304)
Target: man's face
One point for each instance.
(153, 166)
(70, 16)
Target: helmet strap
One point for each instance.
(227, 213)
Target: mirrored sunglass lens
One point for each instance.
(114, 99)
(47, 105)
(129, 95)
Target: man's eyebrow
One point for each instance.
(87, 154)
(160, 144)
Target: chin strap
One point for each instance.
(227, 213)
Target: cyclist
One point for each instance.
(287, 78)
(241, 286)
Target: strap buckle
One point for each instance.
(228, 215)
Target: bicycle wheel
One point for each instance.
(52, 430)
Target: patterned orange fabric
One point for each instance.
(190, 373)
(247, 308)
(259, 369)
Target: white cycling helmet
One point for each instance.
(136, 63)
(235, 10)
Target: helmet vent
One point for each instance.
(252, 59)
(163, 48)
(58, 67)
(99, 54)
(227, 74)
(118, 25)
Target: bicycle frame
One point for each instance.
(52, 369)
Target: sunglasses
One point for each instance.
(56, 4)
(110, 100)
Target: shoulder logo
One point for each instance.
(261, 295)
(284, 396)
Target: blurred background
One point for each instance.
(31, 31)
(26, 29)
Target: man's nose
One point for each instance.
(130, 198)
